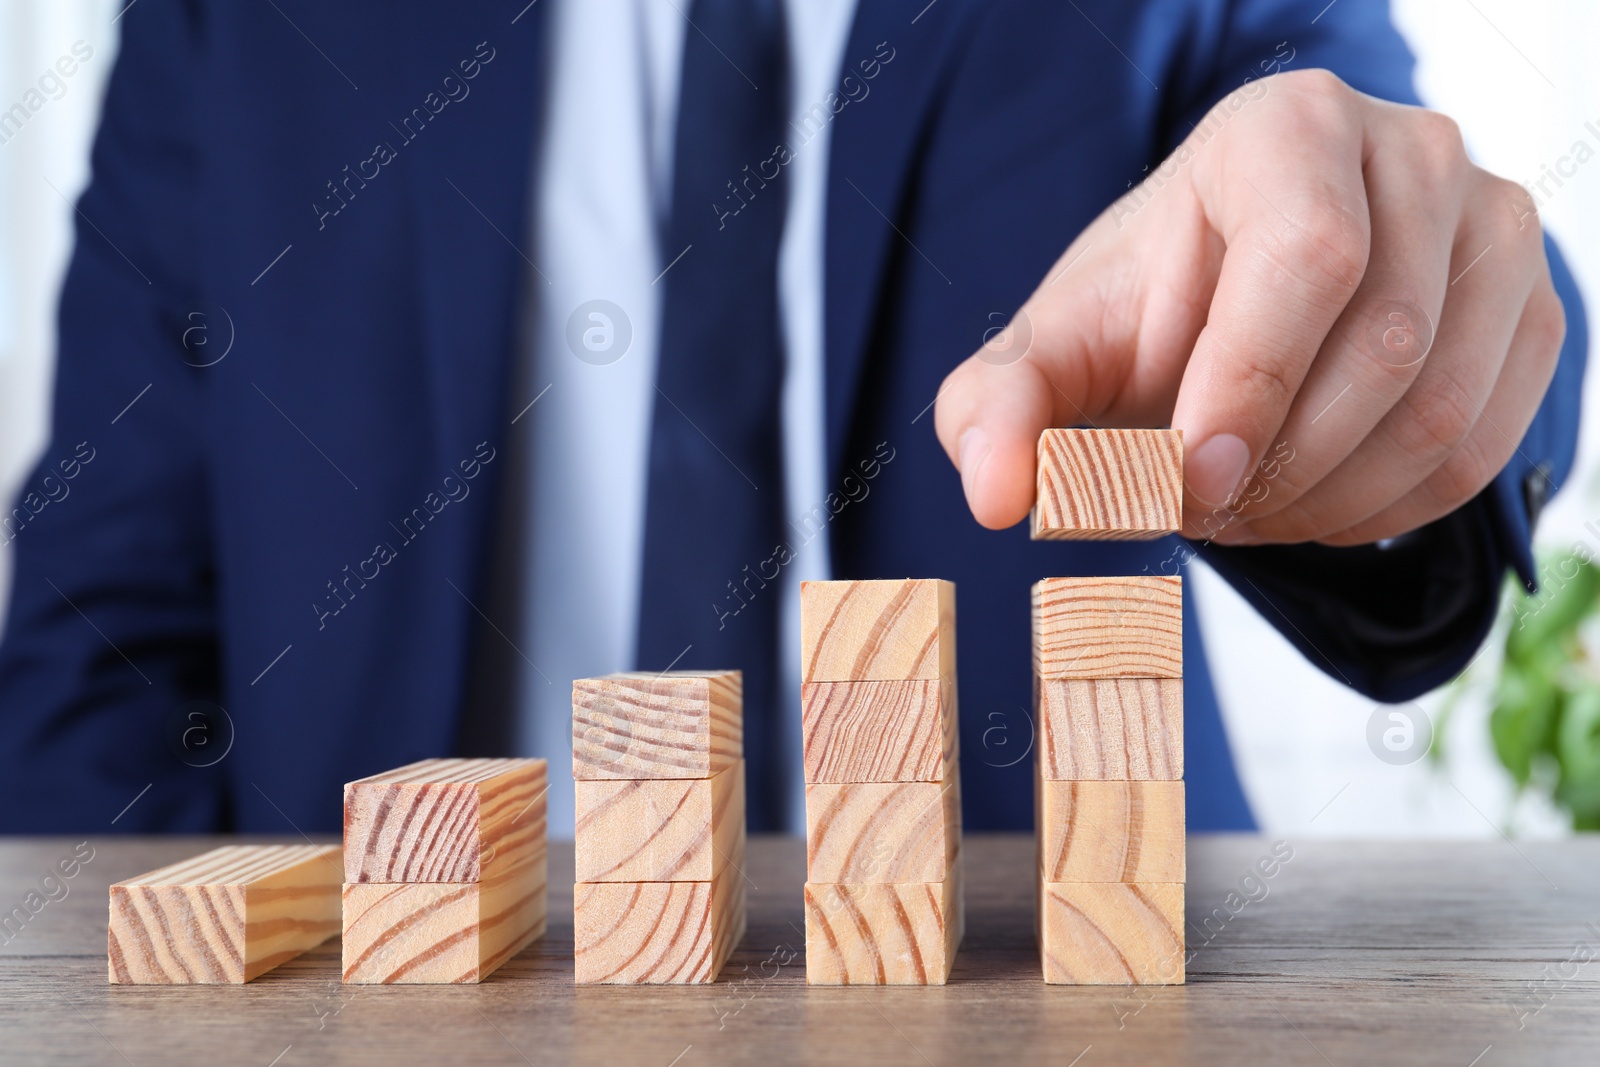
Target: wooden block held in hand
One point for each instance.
(226, 916)
(1108, 485)
(677, 724)
(659, 830)
(443, 932)
(882, 832)
(444, 820)
(1110, 728)
(902, 731)
(633, 933)
(904, 934)
(1108, 627)
(877, 630)
(1111, 933)
(1111, 831)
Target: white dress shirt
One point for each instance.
(602, 197)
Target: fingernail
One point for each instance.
(973, 453)
(1215, 470)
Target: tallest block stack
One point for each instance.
(1108, 693)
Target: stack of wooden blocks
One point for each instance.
(660, 830)
(445, 869)
(883, 794)
(1108, 692)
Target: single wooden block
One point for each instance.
(677, 724)
(444, 820)
(659, 829)
(1110, 728)
(882, 832)
(442, 932)
(225, 916)
(1110, 831)
(877, 630)
(903, 934)
(902, 731)
(1111, 933)
(1108, 627)
(1096, 485)
(634, 933)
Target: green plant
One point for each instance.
(1545, 722)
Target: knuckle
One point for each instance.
(1438, 136)
(1438, 417)
(1319, 86)
(1509, 211)
(1462, 476)
(1327, 244)
(1266, 384)
(1546, 321)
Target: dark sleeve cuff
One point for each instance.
(1397, 620)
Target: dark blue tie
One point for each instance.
(715, 502)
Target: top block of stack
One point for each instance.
(1096, 485)
(635, 726)
(444, 820)
(871, 631)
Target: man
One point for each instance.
(610, 321)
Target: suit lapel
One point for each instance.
(875, 143)
(470, 193)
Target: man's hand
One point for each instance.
(1314, 273)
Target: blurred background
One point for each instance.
(1513, 752)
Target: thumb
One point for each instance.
(1034, 374)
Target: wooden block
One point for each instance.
(678, 724)
(442, 932)
(1111, 933)
(1111, 831)
(882, 832)
(632, 933)
(877, 630)
(1108, 627)
(659, 830)
(444, 820)
(902, 731)
(1098, 485)
(1110, 728)
(225, 916)
(903, 934)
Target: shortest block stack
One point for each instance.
(226, 916)
(1108, 692)
(659, 844)
(883, 785)
(445, 869)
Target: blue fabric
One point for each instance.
(715, 501)
(298, 533)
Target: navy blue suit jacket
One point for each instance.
(299, 532)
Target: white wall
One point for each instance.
(1519, 77)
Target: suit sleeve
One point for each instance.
(110, 647)
(1396, 620)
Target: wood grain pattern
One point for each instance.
(900, 731)
(678, 724)
(442, 932)
(904, 934)
(659, 830)
(444, 820)
(1108, 485)
(1108, 627)
(1110, 728)
(877, 630)
(882, 832)
(1111, 831)
(633, 933)
(1400, 953)
(1111, 933)
(226, 916)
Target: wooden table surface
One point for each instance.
(1360, 953)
